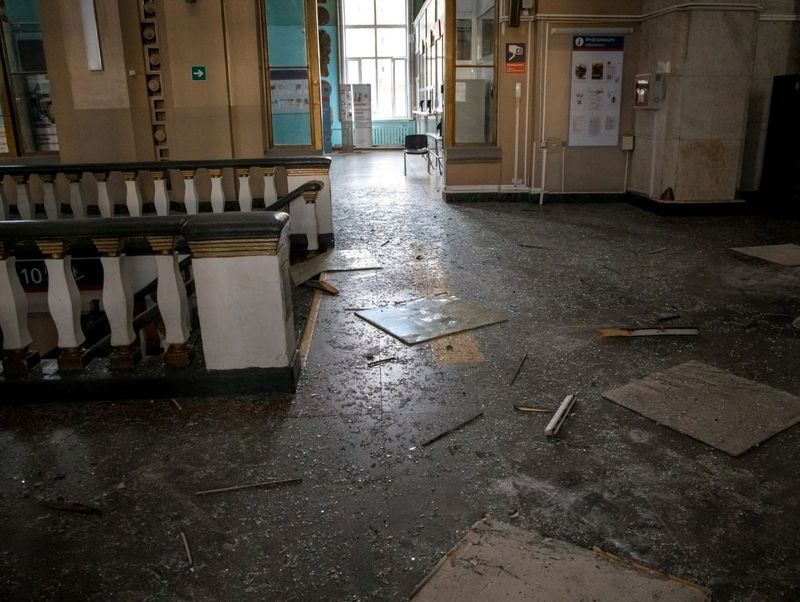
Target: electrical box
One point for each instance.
(627, 142)
(649, 91)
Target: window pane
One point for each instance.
(353, 73)
(286, 37)
(391, 12)
(360, 12)
(368, 77)
(474, 115)
(359, 42)
(291, 110)
(400, 93)
(383, 102)
(392, 41)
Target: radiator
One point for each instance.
(388, 135)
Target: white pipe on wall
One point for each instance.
(527, 108)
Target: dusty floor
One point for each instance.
(372, 516)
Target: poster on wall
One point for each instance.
(596, 90)
(288, 89)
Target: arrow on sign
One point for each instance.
(198, 72)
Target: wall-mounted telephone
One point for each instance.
(649, 90)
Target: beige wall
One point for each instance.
(97, 112)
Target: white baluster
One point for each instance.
(13, 308)
(64, 301)
(173, 304)
(24, 204)
(245, 192)
(311, 224)
(51, 206)
(270, 192)
(75, 198)
(217, 195)
(160, 198)
(190, 195)
(103, 198)
(133, 196)
(118, 300)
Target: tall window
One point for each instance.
(376, 52)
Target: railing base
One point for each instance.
(125, 357)
(71, 360)
(18, 362)
(179, 356)
(149, 380)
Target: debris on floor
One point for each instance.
(552, 428)
(658, 250)
(519, 368)
(656, 331)
(788, 254)
(521, 408)
(498, 561)
(452, 430)
(425, 319)
(796, 322)
(716, 407)
(321, 285)
(264, 485)
(75, 507)
(385, 360)
(188, 552)
(335, 260)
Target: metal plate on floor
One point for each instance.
(788, 254)
(716, 407)
(335, 260)
(425, 319)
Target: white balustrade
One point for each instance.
(133, 195)
(217, 193)
(173, 304)
(64, 301)
(51, 204)
(245, 191)
(24, 204)
(160, 198)
(13, 308)
(118, 300)
(76, 199)
(103, 198)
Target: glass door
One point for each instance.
(27, 120)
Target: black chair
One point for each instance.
(416, 144)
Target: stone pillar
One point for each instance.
(103, 199)
(691, 148)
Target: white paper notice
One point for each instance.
(596, 90)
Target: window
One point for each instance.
(474, 72)
(376, 53)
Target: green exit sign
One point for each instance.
(199, 73)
